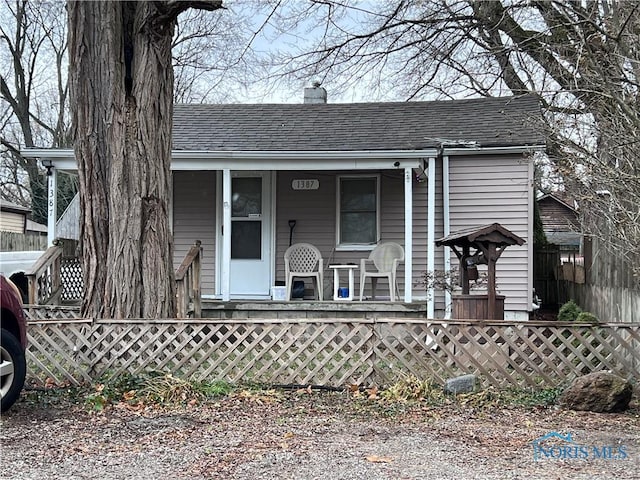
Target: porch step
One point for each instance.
(310, 309)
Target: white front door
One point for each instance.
(250, 266)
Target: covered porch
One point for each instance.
(55, 290)
(404, 170)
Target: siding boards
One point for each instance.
(486, 189)
(68, 225)
(12, 222)
(483, 189)
(420, 247)
(313, 210)
(194, 218)
(391, 222)
(439, 233)
(557, 217)
(315, 213)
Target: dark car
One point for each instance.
(13, 367)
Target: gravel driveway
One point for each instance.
(318, 435)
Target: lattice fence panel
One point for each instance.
(48, 312)
(508, 354)
(57, 351)
(332, 352)
(71, 279)
(319, 353)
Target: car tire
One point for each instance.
(13, 369)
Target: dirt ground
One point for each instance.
(309, 434)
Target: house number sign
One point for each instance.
(305, 184)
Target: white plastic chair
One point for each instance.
(303, 260)
(382, 262)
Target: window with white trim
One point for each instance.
(358, 219)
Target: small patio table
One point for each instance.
(336, 281)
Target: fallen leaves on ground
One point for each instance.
(252, 426)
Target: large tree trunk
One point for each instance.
(140, 253)
(121, 85)
(95, 77)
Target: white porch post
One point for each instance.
(431, 232)
(225, 276)
(447, 231)
(52, 202)
(408, 234)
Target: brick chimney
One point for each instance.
(315, 94)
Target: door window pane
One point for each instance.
(246, 240)
(246, 198)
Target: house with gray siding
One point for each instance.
(272, 174)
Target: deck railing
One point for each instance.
(56, 278)
(45, 284)
(189, 304)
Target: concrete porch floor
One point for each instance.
(311, 309)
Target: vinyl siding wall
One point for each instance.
(315, 215)
(12, 222)
(487, 189)
(194, 218)
(483, 189)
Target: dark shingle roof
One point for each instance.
(357, 126)
(8, 206)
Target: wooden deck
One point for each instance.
(56, 281)
(268, 310)
(310, 309)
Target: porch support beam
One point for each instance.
(52, 204)
(408, 234)
(290, 160)
(185, 160)
(431, 232)
(447, 231)
(225, 273)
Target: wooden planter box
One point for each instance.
(475, 307)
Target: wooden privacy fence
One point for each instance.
(16, 242)
(331, 352)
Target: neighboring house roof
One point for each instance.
(559, 221)
(7, 206)
(483, 122)
(31, 226)
(559, 198)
